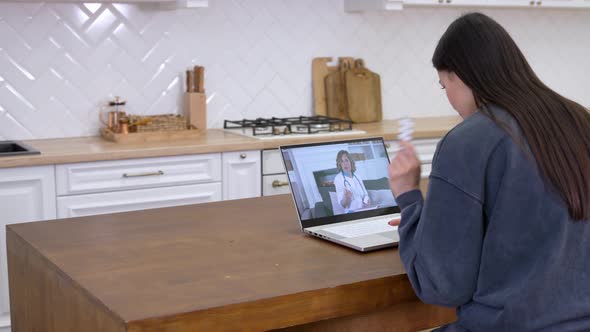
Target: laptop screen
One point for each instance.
(339, 181)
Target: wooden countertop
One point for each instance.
(197, 267)
(200, 266)
(83, 149)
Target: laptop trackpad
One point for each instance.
(371, 240)
(392, 235)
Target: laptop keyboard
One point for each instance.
(364, 228)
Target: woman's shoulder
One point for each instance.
(463, 155)
(474, 138)
(479, 129)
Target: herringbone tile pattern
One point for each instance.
(61, 62)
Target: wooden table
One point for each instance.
(239, 265)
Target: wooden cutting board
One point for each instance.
(363, 94)
(336, 102)
(319, 71)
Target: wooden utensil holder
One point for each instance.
(195, 109)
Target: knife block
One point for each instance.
(195, 109)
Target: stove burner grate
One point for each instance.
(301, 125)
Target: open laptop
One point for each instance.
(341, 191)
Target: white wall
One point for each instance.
(59, 63)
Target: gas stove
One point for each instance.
(301, 126)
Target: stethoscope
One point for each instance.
(349, 186)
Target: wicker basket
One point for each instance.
(154, 128)
(163, 122)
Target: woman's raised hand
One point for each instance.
(404, 170)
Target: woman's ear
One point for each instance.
(451, 75)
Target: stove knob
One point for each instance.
(276, 131)
(286, 131)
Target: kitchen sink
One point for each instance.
(14, 148)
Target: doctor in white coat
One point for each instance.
(350, 189)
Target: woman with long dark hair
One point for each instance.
(503, 233)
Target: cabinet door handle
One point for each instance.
(243, 156)
(125, 175)
(277, 183)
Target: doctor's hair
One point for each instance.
(557, 130)
(339, 160)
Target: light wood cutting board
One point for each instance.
(336, 103)
(319, 70)
(363, 94)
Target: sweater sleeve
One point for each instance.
(440, 242)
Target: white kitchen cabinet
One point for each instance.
(362, 5)
(275, 184)
(185, 3)
(539, 3)
(241, 174)
(26, 194)
(133, 200)
(459, 3)
(272, 163)
(5, 323)
(101, 187)
(274, 177)
(562, 4)
(107, 176)
(511, 3)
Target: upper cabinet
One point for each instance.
(182, 3)
(458, 3)
(164, 3)
(364, 5)
(539, 3)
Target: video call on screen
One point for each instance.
(336, 179)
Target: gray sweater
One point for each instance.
(493, 238)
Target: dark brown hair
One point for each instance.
(484, 56)
(339, 160)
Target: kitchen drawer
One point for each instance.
(140, 199)
(101, 176)
(272, 163)
(241, 174)
(425, 148)
(275, 185)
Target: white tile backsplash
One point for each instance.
(61, 62)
